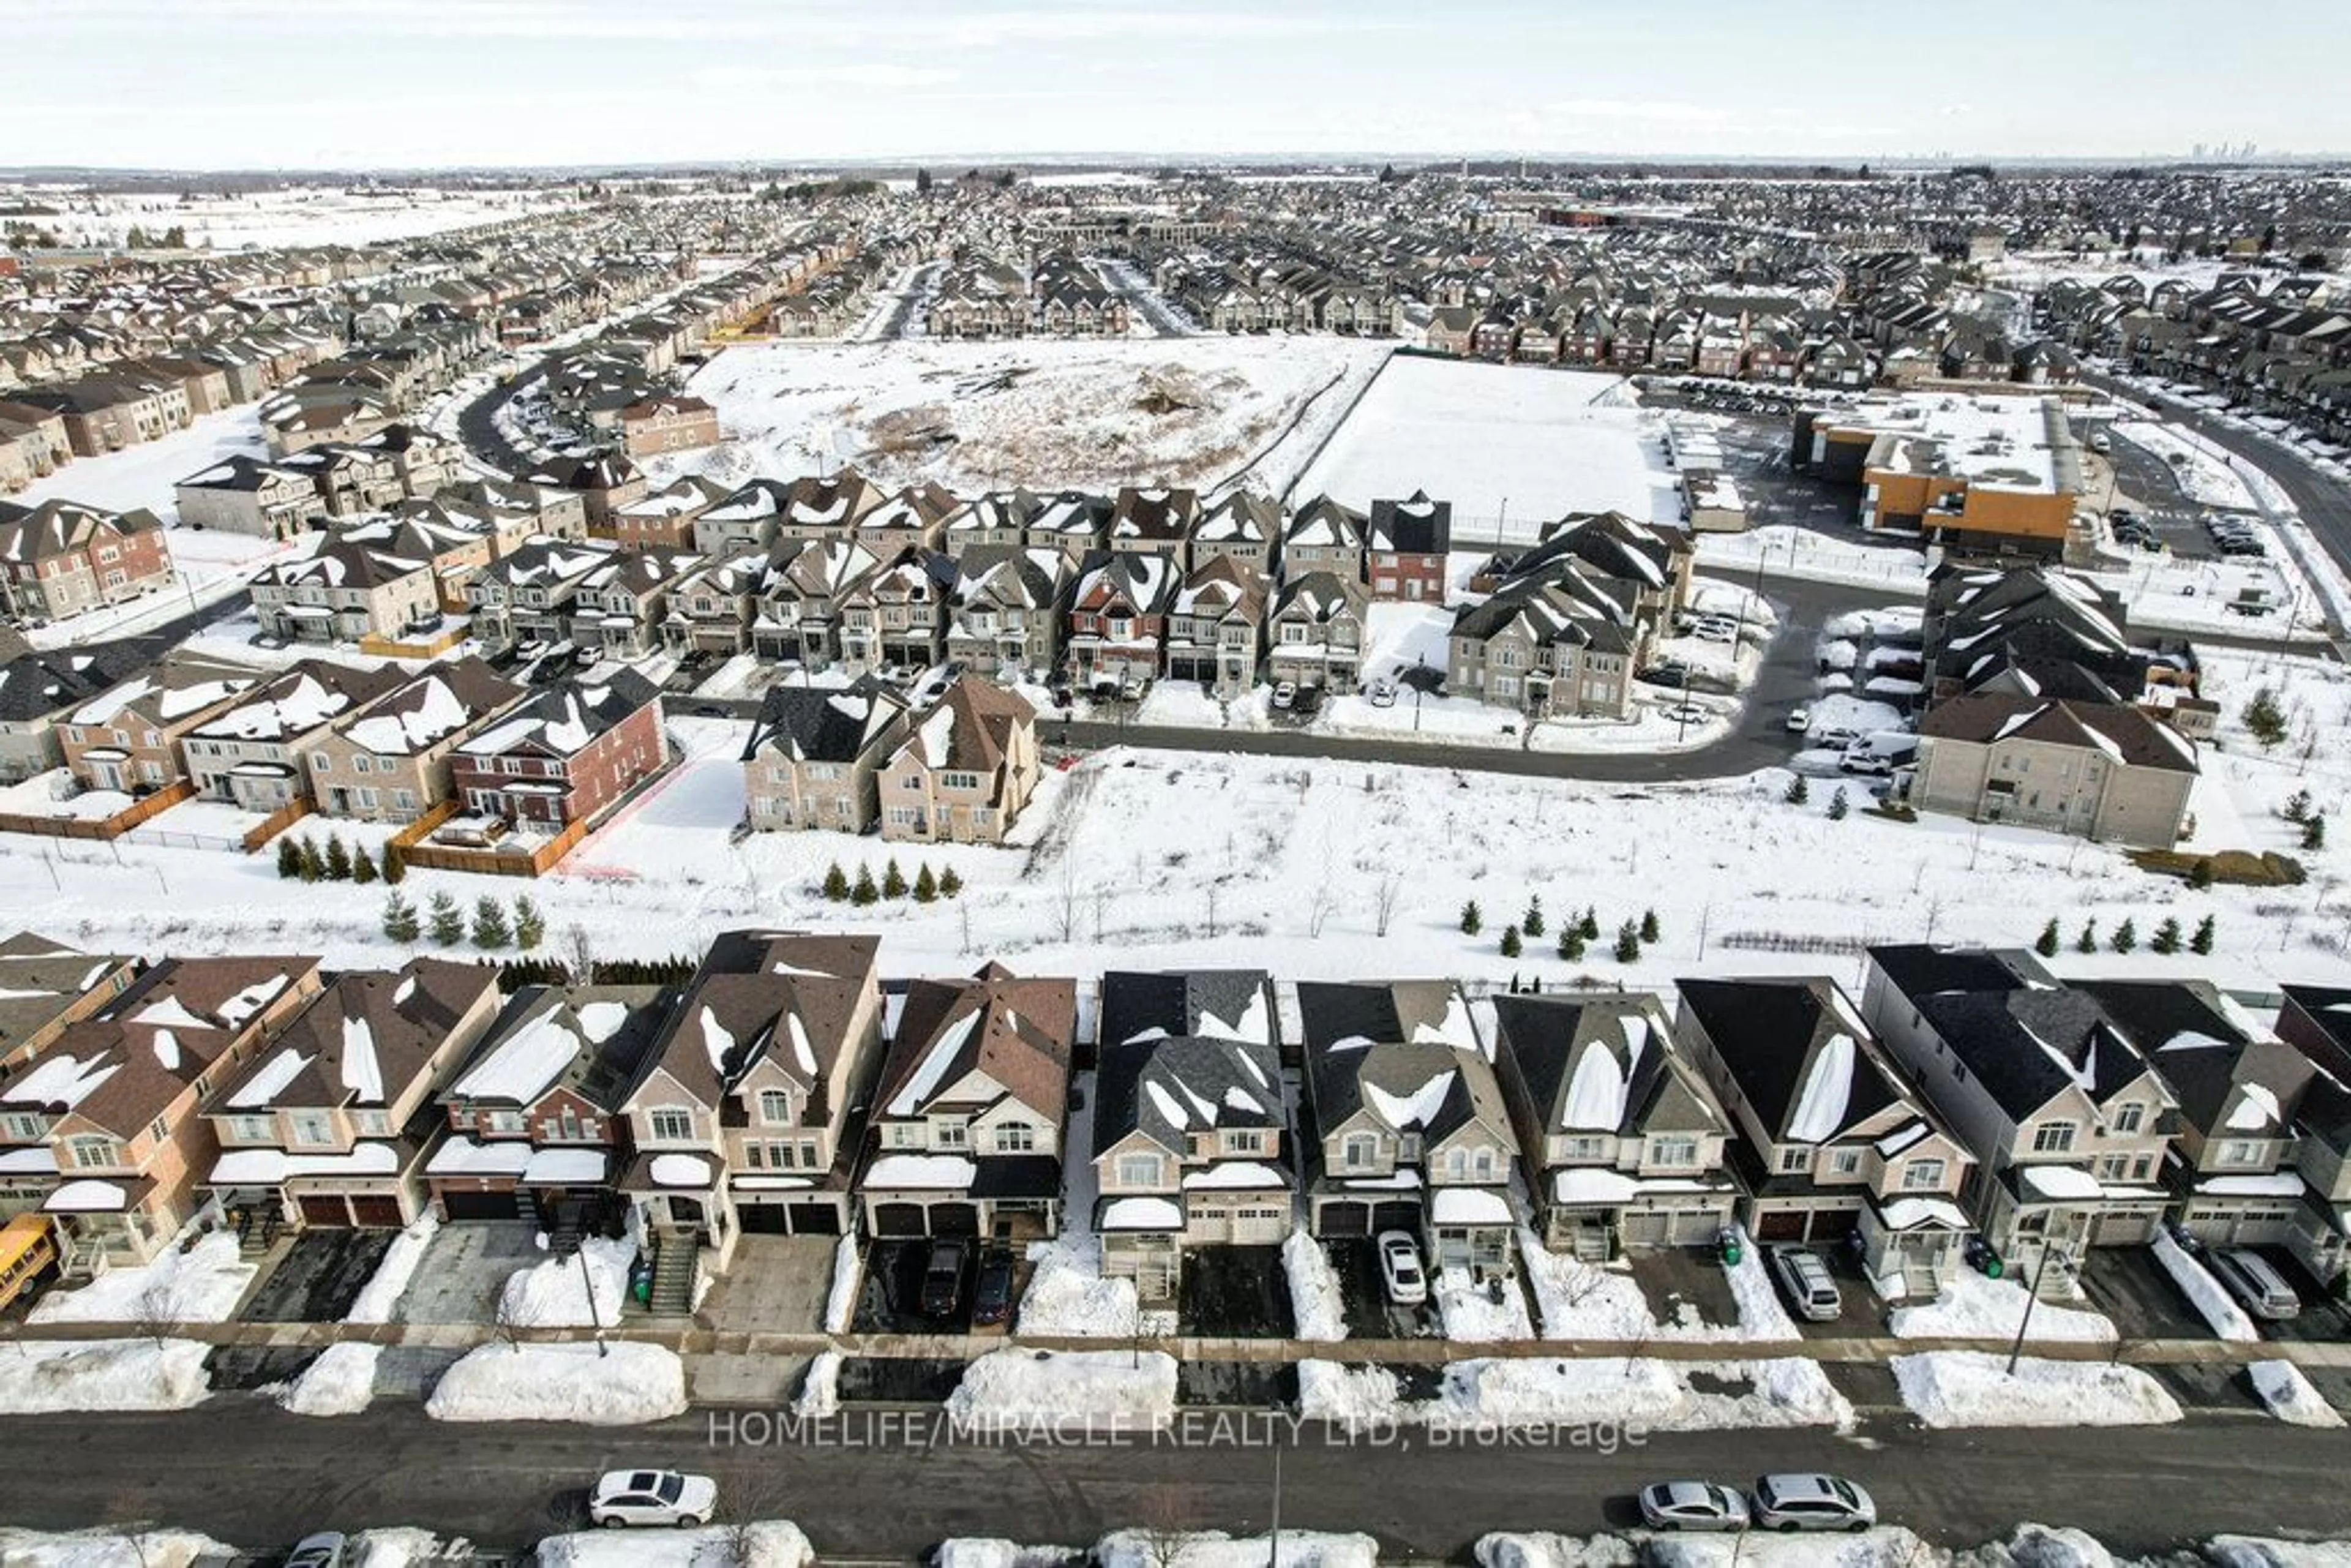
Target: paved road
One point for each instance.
(246, 1472)
(477, 425)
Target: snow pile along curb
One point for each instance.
(2291, 1395)
(340, 1382)
(598, 1386)
(1115, 1388)
(770, 1544)
(1972, 1388)
(1314, 1299)
(39, 1378)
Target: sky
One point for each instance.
(427, 83)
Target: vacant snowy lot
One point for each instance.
(1048, 414)
(1510, 447)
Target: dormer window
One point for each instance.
(774, 1107)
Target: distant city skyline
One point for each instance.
(258, 84)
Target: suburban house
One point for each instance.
(255, 750)
(564, 754)
(618, 610)
(2066, 1121)
(2094, 770)
(1152, 522)
(665, 518)
(1213, 627)
(40, 691)
(1245, 528)
(391, 763)
(815, 755)
(1005, 616)
(965, 1128)
(61, 558)
(967, 770)
(127, 737)
(527, 595)
(1554, 648)
(1073, 521)
(797, 617)
(1406, 1122)
(896, 617)
(1830, 1139)
(1323, 536)
(328, 1124)
(2316, 1021)
(1405, 546)
(345, 590)
(1626, 1144)
(671, 423)
(451, 543)
(108, 1119)
(1118, 617)
(1314, 632)
(44, 987)
(1190, 1130)
(533, 1115)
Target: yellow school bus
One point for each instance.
(27, 1250)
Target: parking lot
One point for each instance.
(1234, 1291)
(1363, 1295)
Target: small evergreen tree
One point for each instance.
(362, 866)
(314, 865)
(1649, 926)
(530, 925)
(1570, 942)
(1628, 943)
(1511, 947)
(2166, 940)
(491, 929)
(1533, 924)
(2126, 937)
(289, 858)
(836, 883)
(395, 866)
(448, 920)
(864, 892)
(893, 881)
(949, 883)
(1799, 790)
(2047, 946)
(400, 922)
(1473, 919)
(1838, 805)
(2200, 944)
(2297, 806)
(2088, 942)
(1591, 923)
(339, 859)
(2314, 832)
(926, 886)
(2265, 719)
(2199, 875)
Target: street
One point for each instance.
(879, 1484)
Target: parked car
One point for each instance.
(1806, 1281)
(1717, 629)
(652, 1497)
(1835, 737)
(1400, 1269)
(1285, 694)
(1665, 675)
(1382, 693)
(2248, 1276)
(2102, 443)
(943, 1279)
(1799, 718)
(1692, 1505)
(1811, 1502)
(991, 1295)
(327, 1548)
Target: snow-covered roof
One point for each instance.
(1469, 1206)
(935, 1173)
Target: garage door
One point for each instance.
(898, 1219)
(482, 1204)
(323, 1209)
(378, 1210)
(1643, 1230)
(1835, 1224)
(1262, 1227)
(2122, 1229)
(1692, 1228)
(814, 1218)
(763, 1219)
(954, 1220)
(1344, 1219)
(1405, 1217)
(1779, 1224)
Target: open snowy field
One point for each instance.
(1511, 447)
(1045, 413)
(303, 215)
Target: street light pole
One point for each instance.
(2032, 1296)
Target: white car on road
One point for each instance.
(652, 1497)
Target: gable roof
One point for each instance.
(590, 1039)
(564, 718)
(1798, 1052)
(1017, 1031)
(2121, 733)
(812, 724)
(362, 1042)
(1600, 1064)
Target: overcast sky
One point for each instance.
(305, 83)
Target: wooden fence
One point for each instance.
(419, 855)
(103, 829)
(276, 822)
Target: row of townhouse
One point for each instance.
(280, 498)
(60, 559)
(1058, 295)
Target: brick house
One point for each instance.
(1118, 616)
(1406, 545)
(44, 987)
(127, 737)
(966, 772)
(391, 762)
(670, 424)
(814, 756)
(60, 559)
(256, 749)
(327, 1125)
(895, 617)
(801, 593)
(564, 754)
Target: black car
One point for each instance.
(1665, 675)
(943, 1279)
(991, 1298)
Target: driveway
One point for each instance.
(1234, 1291)
(463, 1270)
(1363, 1295)
(320, 1275)
(2323, 1319)
(776, 1284)
(2130, 1286)
(1860, 1315)
(1685, 1281)
(890, 1301)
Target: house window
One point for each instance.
(1361, 1152)
(90, 1151)
(1138, 1170)
(313, 1128)
(506, 1122)
(158, 1129)
(2241, 1152)
(774, 1107)
(1015, 1138)
(1674, 1153)
(1922, 1175)
(2054, 1138)
(1584, 1147)
(23, 1126)
(1845, 1161)
(669, 1124)
(1798, 1159)
(1457, 1162)
(958, 780)
(371, 1124)
(2128, 1118)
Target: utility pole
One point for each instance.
(2032, 1296)
(1273, 1537)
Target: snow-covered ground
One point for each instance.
(769, 1543)
(342, 1381)
(37, 1377)
(296, 216)
(200, 1283)
(2282, 1387)
(1128, 1390)
(134, 1547)
(615, 1384)
(1626, 1392)
(1042, 413)
(1972, 1388)
(1511, 448)
(1212, 1549)
(2205, 480)
(1973, 1307)
(1067, 1295)
(557, 1293)
(1315, 1301)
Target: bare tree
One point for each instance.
(1385, 893)
(157, 1312)
(580, 949)
(1159, 1526)
(750, 1500)
(1212, 911)
(963, 914)
(1325, 900)
(518, 1310)
(1069, 896)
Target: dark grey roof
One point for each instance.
(1771, 1036)
(825, 725)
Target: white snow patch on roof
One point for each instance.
(1827, 1091)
